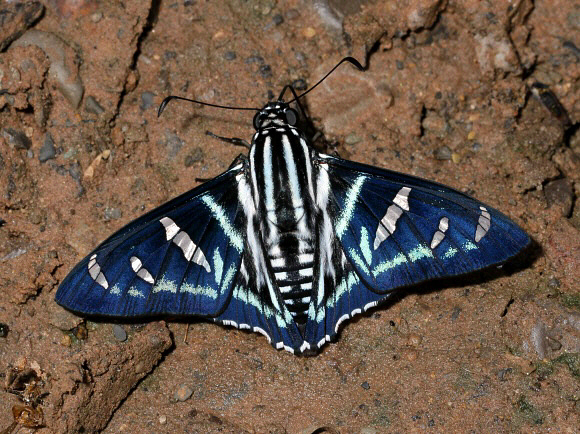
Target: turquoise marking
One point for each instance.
(346, 214)
(115, 290)
(450, 253)
(250, 298)
(218, 266)
(218, 212)
(469, 246)
(419, 252)
(229, 277)
(365, 246)
(389, 264)
(199, 290)
(135, 293)
(163, 285)
(346, 285)
(359, 261)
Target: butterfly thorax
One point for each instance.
(281, 171)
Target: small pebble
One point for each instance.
(162, 419)
(66, 340)
(442, 153)
(16, 139)
(81, 332)
(93, 106)
(146, 100)
(278, 19)
(309, 32)
(112, 214)
(414, 340)
(400, 65)
(96, 17)
(183, 393)
(47, 151)
(119, 333)
(4, 330)
(255, 59)
(230, 55)
(471, 135)
(266, 71)
(365, 385)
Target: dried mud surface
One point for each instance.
(447, 95)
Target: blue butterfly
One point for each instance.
(289, 242)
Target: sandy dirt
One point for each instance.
(449, 94)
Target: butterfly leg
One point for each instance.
(233, 140)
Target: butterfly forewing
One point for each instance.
(179, 259)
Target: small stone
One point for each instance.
(162, 419)
(119, 333)
(413, 340)
(92, 106)
(230, 55)
(309, 32)
(81, 332)
(292, 14)
(255, 59)
(266, 71)
(96, 17)
(560, 193)
(455, 313)
(442, 153)
(47, 151)
(183, 393)
(455, 157)
(471, 135)
(352, 139)
(553, 283)
(112, 213)
(66, 340)
(365, 385)
(16, 139)
(4, 330)
(400, 65)
(195, 156)
(277, 19)
(146, 100)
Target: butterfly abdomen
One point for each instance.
(281, 171)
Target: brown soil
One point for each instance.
(447, 96)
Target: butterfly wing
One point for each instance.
(180, 259)
(397, 230)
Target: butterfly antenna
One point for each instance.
(349, 59)
(171, 97)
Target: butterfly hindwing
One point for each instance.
(180, 259)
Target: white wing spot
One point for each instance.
(137, 267)
(95, 272)
(183, 241)
(388, 223)
(483, 224)
(440, 232)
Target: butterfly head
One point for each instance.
(275, 114)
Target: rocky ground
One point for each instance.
(450, 94)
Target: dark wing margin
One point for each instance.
(181, 258)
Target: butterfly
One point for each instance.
(289, 242)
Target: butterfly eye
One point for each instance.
(291, 116)
(257, 120)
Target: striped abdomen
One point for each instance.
(282, 182)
